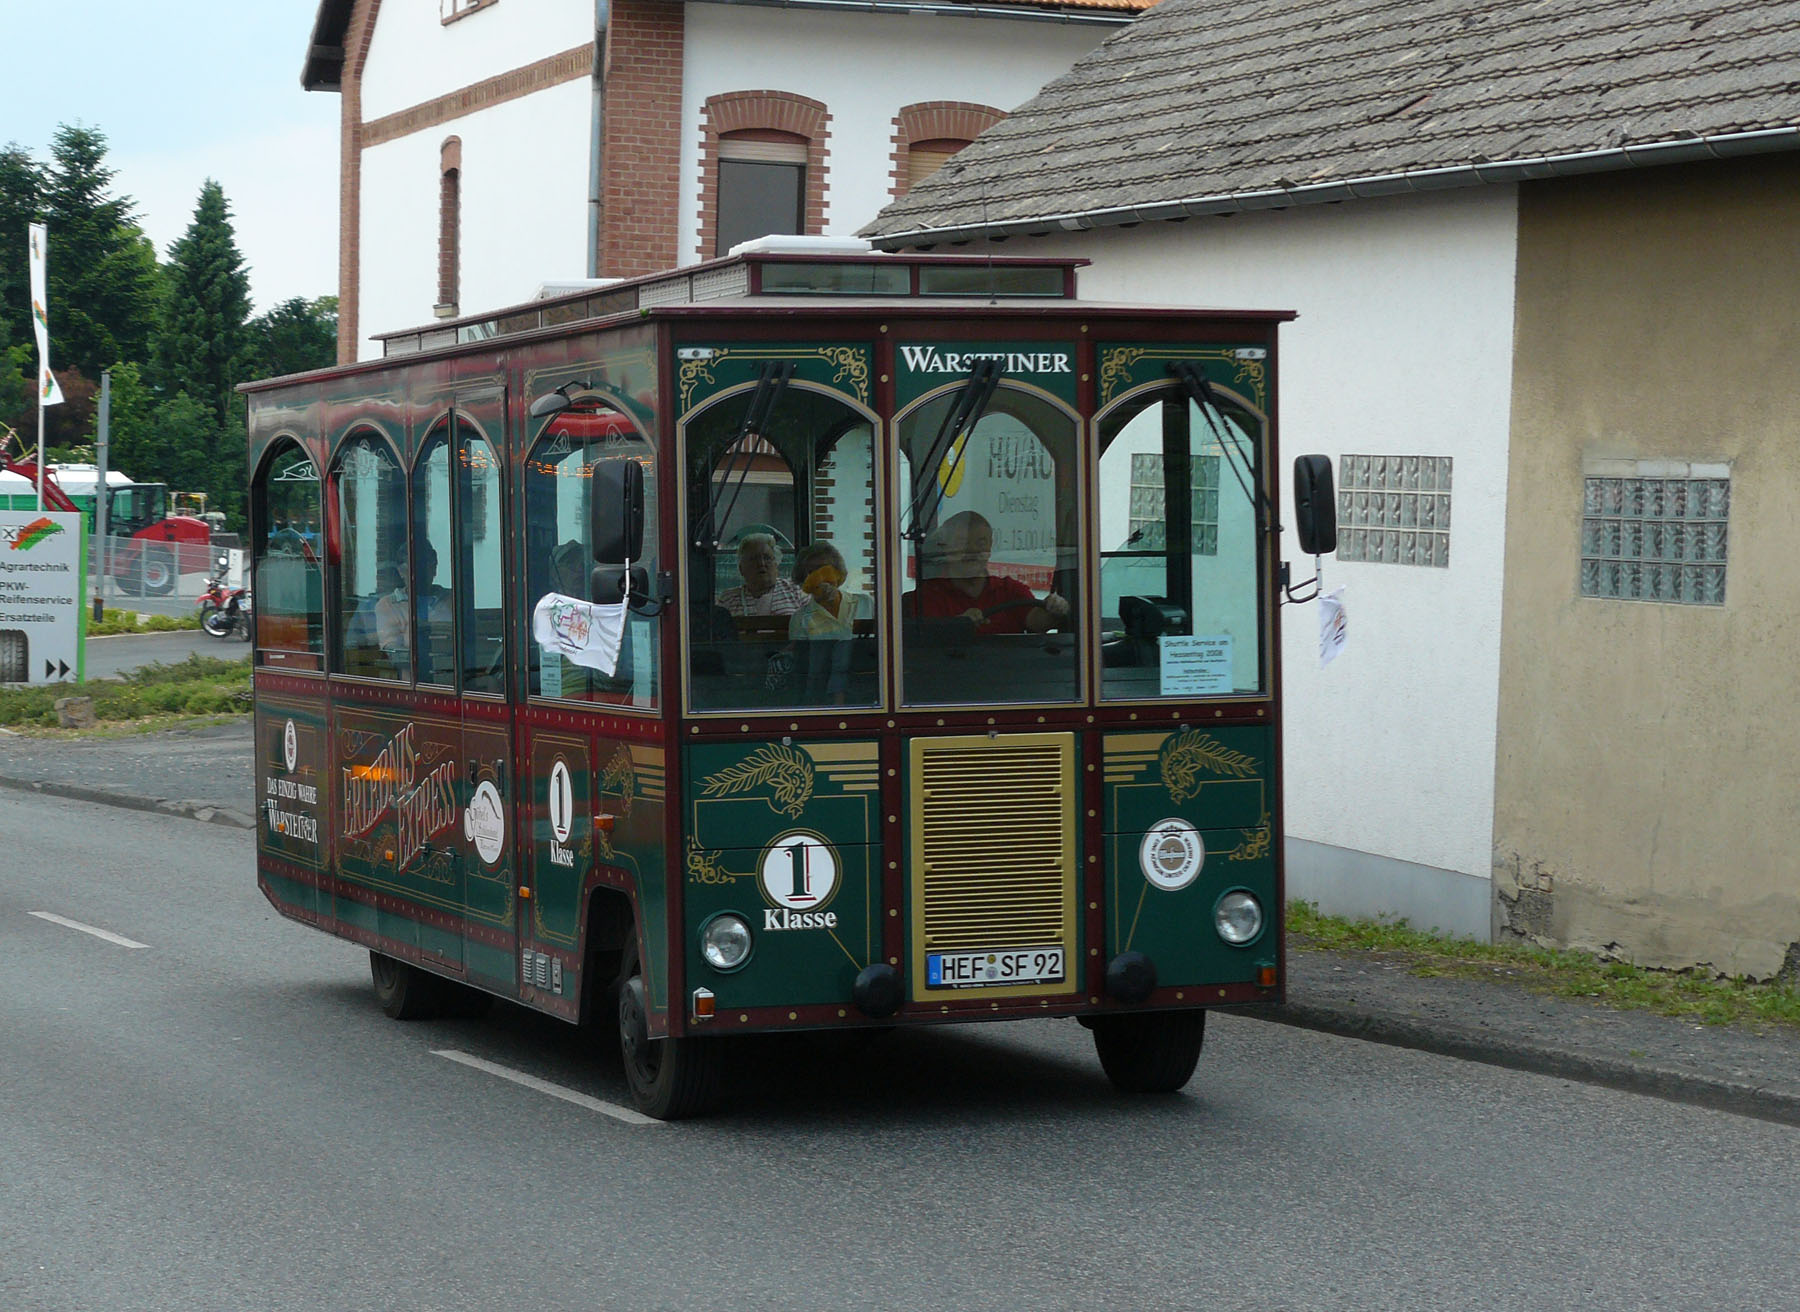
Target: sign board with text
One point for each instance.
(43, 586)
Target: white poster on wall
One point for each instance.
(42, 591)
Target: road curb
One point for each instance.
(1744, 1099)
(206, 812)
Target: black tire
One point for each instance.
(129, 577)
(669, 1078)
(1154, 1052)
(157, 569)
(218, 623)
(405, 992)
(15, 656)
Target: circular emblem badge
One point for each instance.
(290, 746)
(1171, 854)
(562, 801)
(799, 871)
(484, 823)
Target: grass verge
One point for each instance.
(1699, 994)
(150, 697)
(114, 622)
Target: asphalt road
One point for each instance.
(222, 1118)
(108, 658)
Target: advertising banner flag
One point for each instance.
(48, 392)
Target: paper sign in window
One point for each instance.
(1195, 667)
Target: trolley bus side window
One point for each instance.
(433, 558)
(290, 606)
(559, 551)
(481, 609)
(781, 595)
(372, 562)
(1180, 551)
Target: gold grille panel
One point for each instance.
(993, 849)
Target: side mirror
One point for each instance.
(1315, 505)
(617, 511)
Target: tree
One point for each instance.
(103, 280)
(21, 185)
(295, 336)
(201, 346)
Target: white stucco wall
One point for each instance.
(524, 209)
(414, 56)
(863, 67)
(1403, 347)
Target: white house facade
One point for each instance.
(493, 146)
(1402, 349)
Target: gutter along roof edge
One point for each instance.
(1679, 150)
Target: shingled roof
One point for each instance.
(1200, 107)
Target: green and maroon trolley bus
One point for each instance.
(946, 684)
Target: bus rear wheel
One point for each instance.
(1155, 1052)
(669, 1078)
(404, 992)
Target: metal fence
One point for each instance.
(158, 577)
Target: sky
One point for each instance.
(187, 90)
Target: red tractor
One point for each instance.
(149, 545)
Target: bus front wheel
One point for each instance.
(1155, 1052)
(404, 992)
(669, 1078)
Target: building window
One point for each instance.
(762, 168)
(1655, 530)
(449, 228)
(762, 190)
(1149, 531)
(451, 10)
(1394, 510)
(927, 134)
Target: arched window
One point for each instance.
(288, 582)
(449, 228)
(372, 616)
(762, 167)
(559, 476)
(927, 134)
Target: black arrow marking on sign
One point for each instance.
(62, 669)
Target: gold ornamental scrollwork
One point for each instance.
(1116, 363)
(1115, 367)
(703, 867)
(786, 772)
(1255, 846)
(1187, 753)
(849, 365)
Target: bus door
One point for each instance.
(486, 830)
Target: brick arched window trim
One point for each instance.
(449, 227)
(936, 120)
(761, 112)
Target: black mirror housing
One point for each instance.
(1315, 505)
(617, 511)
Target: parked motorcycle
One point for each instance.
(213, 599)
(225, 610)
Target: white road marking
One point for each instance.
(106, 934)
(613, 1110)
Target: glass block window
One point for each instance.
(1656, 531)
(1149, 531)
(1394, 510)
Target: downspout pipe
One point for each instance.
(597, 145)
(1680, 150)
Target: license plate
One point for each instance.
(975, 970)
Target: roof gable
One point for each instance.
(1195, 108)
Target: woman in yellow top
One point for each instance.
(829, 611)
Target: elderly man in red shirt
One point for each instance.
(961, 586)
